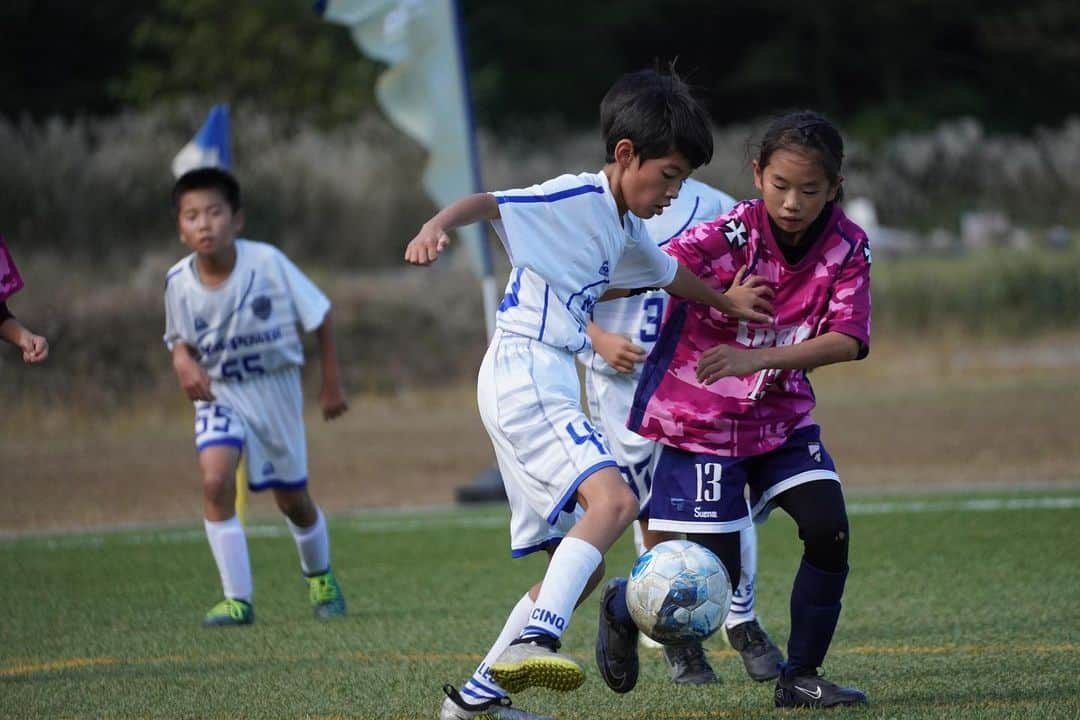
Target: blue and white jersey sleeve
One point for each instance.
(310, 302)
(643, 263)
(538, 224)
(563, 237)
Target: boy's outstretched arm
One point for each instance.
(424, 249)
(332, 392)
(746, 299)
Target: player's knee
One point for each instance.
(624, 506)
(610, 498)
(218, 485)
(297, 506)
(826, 544)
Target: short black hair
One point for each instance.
(659, 114)
(805, 131)
(208, 178)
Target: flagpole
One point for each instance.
(487, 270)
(488, 486)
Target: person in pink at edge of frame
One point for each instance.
(730, 400)
(35, 348)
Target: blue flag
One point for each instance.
(209, 147)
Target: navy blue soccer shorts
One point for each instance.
(704, 493)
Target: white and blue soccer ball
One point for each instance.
(678, 592)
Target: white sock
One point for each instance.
(742, 600)
(229, 546)
(571, 566)
(639, 538)
(481, 687)
(312, 544)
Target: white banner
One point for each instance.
(425, 92)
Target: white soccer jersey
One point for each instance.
(638, 317)
(246, 326)
(567, 245)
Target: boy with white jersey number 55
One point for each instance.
(623, 332)
(232, 308)
(569, 239)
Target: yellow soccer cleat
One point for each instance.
(533, 663)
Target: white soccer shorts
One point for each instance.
(610, 397)
(529, 399)
(264, 418)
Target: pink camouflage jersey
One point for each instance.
(828, 290)
(10, 280)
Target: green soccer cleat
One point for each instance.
(326, 598)
(230, 612)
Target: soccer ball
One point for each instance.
(678, 592)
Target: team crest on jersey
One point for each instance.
(267, 468)
(735, 232)
(815, 451)
(261, 307)
(200, 325)
(605, 269)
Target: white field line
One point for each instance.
(424, 519)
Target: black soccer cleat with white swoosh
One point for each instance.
(616, 645)
(814, 691)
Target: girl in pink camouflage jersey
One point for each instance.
(730, 401)
(34, 347)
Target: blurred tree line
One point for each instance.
(876, 65)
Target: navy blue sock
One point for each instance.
(616, 606)
(815, 610)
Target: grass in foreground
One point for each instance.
(957, 606)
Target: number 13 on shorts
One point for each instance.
(708, 481)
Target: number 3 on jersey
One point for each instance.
(654, 313)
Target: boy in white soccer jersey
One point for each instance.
(623, 332)
(231, 313)
(569, 239)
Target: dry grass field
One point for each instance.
(914, 415)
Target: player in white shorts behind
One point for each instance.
(232, 311)
(622, 333)
(569, 239)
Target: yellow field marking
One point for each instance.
(430, 657)
(53, 665)
(24, 668)
(165, 660)
(956, 649)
